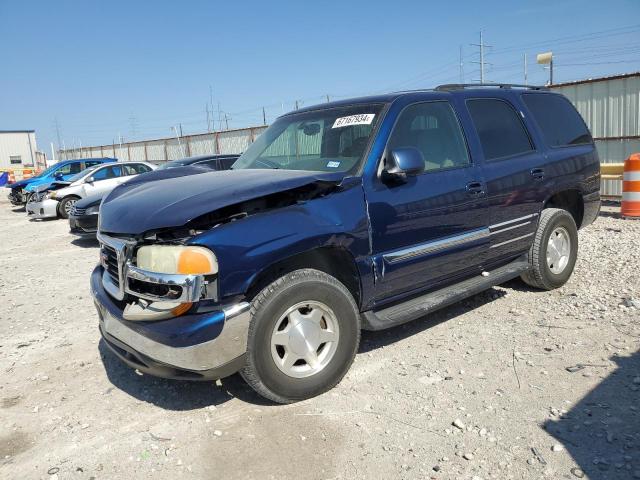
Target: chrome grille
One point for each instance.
(77, 211)
(110, 263)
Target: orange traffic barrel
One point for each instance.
(631, 187)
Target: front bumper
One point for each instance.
(192, 346)
(44, 209)
(83, 225)
(16, 198)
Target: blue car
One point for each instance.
(359, 214)
(21, 190)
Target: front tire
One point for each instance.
(65, 206)
(553, 254)
(303, 336)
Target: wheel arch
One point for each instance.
(332, 260)
(570, 200)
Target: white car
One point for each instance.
(58, 198)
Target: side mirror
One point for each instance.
(58, 176)
(402, 163)
(90, 179)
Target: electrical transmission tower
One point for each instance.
(482, 62)
(133, 126)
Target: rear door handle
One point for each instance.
(474, 188)
(537, 173)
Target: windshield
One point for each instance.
(83, 173)
(330, 140)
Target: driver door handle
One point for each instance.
(537, 173)
(475, 188)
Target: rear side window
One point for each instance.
(135, 169)
(559, 121)
(500, 128)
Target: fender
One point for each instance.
(245, 248)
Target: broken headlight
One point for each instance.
(185, 260)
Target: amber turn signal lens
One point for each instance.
(180, 309)
(193, 261)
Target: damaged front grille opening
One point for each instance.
(168, 292)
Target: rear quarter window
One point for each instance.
(500, 129)
(559, 121)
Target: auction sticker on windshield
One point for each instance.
(362, 119)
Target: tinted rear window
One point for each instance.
(500, 128)
(560, 123)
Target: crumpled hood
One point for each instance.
(21, 183)
(173, 197)
(51, 186)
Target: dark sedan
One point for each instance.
(83, 218)
(214, 162)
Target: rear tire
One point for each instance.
(303, 336)
(65, 206)
(553, 254)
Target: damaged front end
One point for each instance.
(158, 296)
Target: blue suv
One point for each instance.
(359, 214)
(63, 170)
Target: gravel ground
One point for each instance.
(513, 383)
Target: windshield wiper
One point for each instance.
(268, 163)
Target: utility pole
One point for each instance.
(179, 142)
(264, 117)
(213, 124)
(525, 68)
(482, 63)
(328, 98)
(180, 130)
(57, 131)
(208, 122)
(296, 104)
(226, 121)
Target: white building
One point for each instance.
(17, 149)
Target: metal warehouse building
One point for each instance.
(611, 108)
(17, 149)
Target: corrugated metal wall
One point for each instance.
(164, 149)
(611, 108)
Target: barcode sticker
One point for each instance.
(362, 119)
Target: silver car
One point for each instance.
(58, 198)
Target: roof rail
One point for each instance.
(462, 86)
